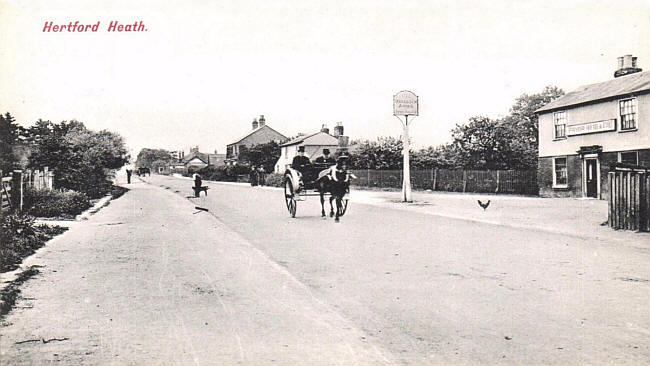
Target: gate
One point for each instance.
(629, 198)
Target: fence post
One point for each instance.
(464, 180)
(50, 179)
(610, 217)
(435, 178)
(17, 190)
(498, 181)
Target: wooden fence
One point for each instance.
(629, 198)
(13, 186)
(480, 181)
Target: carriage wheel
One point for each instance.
(289, 197)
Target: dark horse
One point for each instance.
(336, 182)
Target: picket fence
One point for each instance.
(629, 198)
(13, 186)
(479, 181)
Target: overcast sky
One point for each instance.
(204, 69)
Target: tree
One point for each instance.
(82, 160)
(522, 113)
(10, 132)
(384, 153)
(443, 156)
(266, 154)
(147, 157)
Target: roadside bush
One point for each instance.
(274, 180)
(20, 237)
(55, 203)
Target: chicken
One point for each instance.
(484, 205)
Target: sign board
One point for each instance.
(591, 127)
(405, 103)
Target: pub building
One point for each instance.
(587, 130)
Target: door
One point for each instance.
(592, 178)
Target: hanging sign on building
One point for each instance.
(591, 127)
(405, 103)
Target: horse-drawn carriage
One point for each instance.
(308, 183)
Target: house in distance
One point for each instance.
(584, 132)
(314, 145)
(260, 134)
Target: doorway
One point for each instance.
(591, 177)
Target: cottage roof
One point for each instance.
(255, 131)
(319, 141)
(205, 157)
(624, 85)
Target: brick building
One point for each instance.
(260, 134)
(582, 133)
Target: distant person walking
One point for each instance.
(261, 175)
(252, 176)
(129, 172)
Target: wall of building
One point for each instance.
(574, 177)
(610, 141)
(574, 173)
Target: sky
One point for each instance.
(203, 70)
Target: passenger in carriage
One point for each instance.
(326, 158)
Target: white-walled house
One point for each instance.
(584, 132)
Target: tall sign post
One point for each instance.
(405, 103)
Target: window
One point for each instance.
(560, 173)
(559, 123)
(628, 114)
(629, 157)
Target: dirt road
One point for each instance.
(152, 280)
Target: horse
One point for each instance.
(336, 182)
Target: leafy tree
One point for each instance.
(443, 156)
(384, 153)
(522, 113)
(266, 154)
(10, 133)
(147, 157)
(82, 160)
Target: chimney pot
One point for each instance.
(262, 120)
(626, 65)
(255, 124)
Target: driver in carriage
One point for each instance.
(300, 163)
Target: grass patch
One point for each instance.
(20, 237)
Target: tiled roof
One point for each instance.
(624, 85)
(254, 131)
(299, 139)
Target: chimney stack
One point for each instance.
(262, 120)
(626, 66)
(255, 124)
(338, 129)
(324, 129)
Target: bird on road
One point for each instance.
(484, 205)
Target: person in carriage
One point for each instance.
(300, 164)
(337, 173)
(326, 158)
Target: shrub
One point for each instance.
(55, 203)
(274, 180)
(20, 237)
